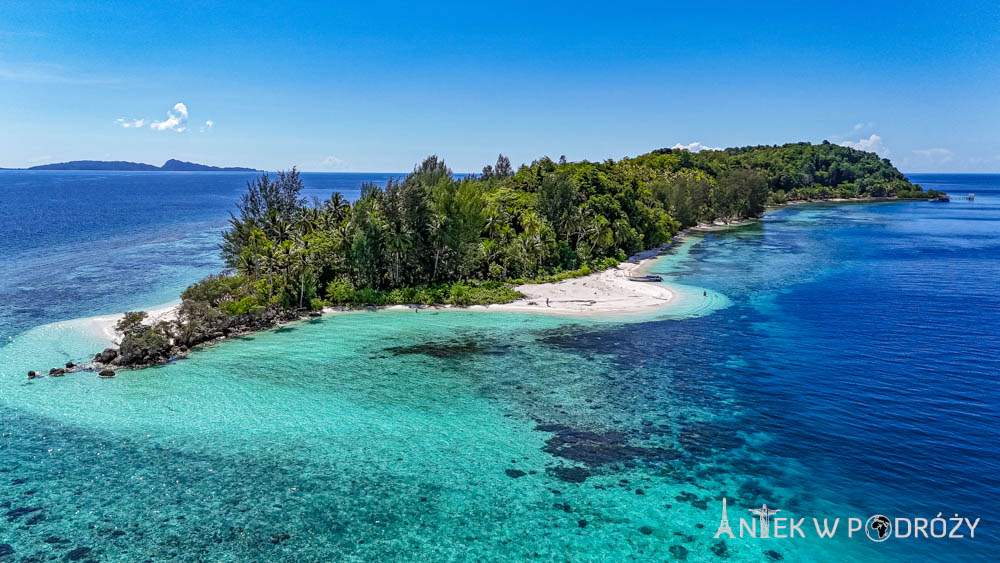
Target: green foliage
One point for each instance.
(340, 292)
(242, 307)
(131, 322)
(215, 289)
(423, 238)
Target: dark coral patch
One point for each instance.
(449, 349)
(19, 512)
(598, 448)
(569, 474)
(705, 438)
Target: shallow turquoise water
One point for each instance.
(842, 364)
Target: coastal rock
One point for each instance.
(515, 473)
(56, 372)
(70, 365)
(32, 374)
(5, 550)
(107, 356)
(106, 373)
(679, 551)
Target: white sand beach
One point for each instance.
(606, 293)
(105, 325)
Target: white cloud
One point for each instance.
(128, 123)
(176, 120)
(208, 125)
(871, 144)
(695, 147)
(863, 125)
(332, 162)
(936, 155)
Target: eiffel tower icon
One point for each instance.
(724, 525)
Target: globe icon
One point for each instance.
(878, 528)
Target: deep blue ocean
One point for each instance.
(93, 242)
(850, 371)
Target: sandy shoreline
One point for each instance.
(104, 326)
(605, 293)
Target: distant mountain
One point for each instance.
(171, 165)
(95, 165)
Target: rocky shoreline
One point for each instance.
(130, 355)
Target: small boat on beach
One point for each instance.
(646, 278)
(941, 198)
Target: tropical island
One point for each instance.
(172, 165)
(432, 238)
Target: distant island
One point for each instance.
(171, 165)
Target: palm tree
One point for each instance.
(269, 255)
(496, 218)
(302, 252)
(398, 241)
(256, 242)
(279, 229)
(436, 231)
(337, 207)
(308, 220)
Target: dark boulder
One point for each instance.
(32, 374)
(70, 365)
(679, 551)
(56, 372)
(106, 373)
(107, 356)
(515, 473)
(5, 550)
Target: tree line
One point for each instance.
(433, 237)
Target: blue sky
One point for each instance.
(372, 86)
